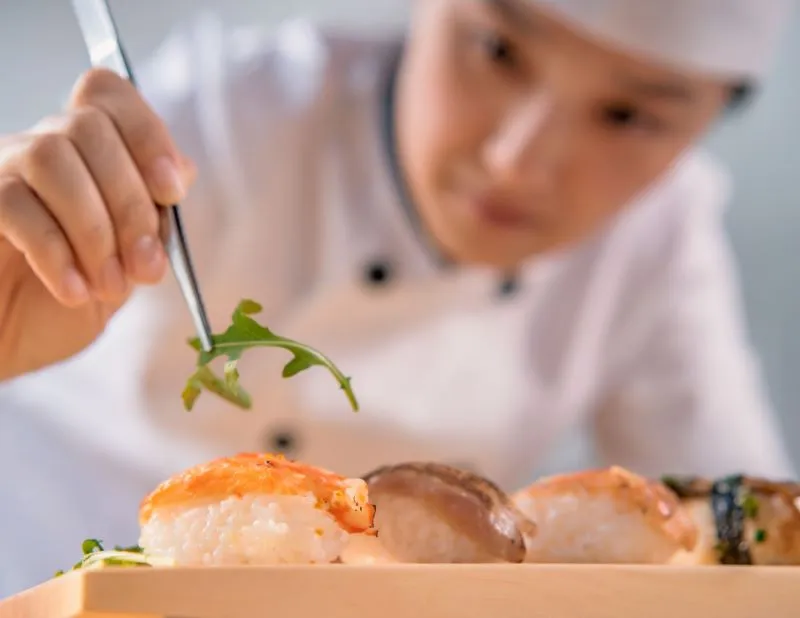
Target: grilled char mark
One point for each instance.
(688, 486)
(697, 487)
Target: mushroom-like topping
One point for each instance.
(605, 516)
(433, 513)
(742, 520)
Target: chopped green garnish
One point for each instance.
(750, 506)
(760, 536)
(243, 334)
(133, 549)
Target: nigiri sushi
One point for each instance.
(255, 509)
(608, 516)
(741, 520)
(433, 513)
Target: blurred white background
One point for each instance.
(42, 54)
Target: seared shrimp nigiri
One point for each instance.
(253, 509)
(604, 516)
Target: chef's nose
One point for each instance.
(527, 144)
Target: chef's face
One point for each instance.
(518, 136)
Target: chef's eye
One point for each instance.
(620, 116)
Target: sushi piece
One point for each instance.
(255, 509)
(741, 520)
(608, 516)
(433, 513)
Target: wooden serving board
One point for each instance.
(417, 591)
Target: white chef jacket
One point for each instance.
(635, 333)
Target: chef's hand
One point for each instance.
(78, 224)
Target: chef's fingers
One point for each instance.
(165, 170)
(55, 171)
(32, 230)
(125, 195)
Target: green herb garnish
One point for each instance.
(750, 506)
(90, 546)
(94, 555)
(133, 549)
(760, 535)
(243, 334)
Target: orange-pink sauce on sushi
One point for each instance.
(256, 473)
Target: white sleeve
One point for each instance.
(240, 102)
(188, 92)
(691, 399)
(219, 90)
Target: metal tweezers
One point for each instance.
(105, 50)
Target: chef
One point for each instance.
(498, 223)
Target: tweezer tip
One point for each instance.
(207, 344)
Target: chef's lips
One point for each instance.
(478, 514)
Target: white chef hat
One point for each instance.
(726, 38)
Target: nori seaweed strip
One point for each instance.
(729, 518)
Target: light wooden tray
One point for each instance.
(417, 591)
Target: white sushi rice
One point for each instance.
(256, 529)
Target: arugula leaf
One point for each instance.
(243, 334)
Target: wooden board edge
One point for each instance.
(463, 591)
(61, 597)
(408, 591)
